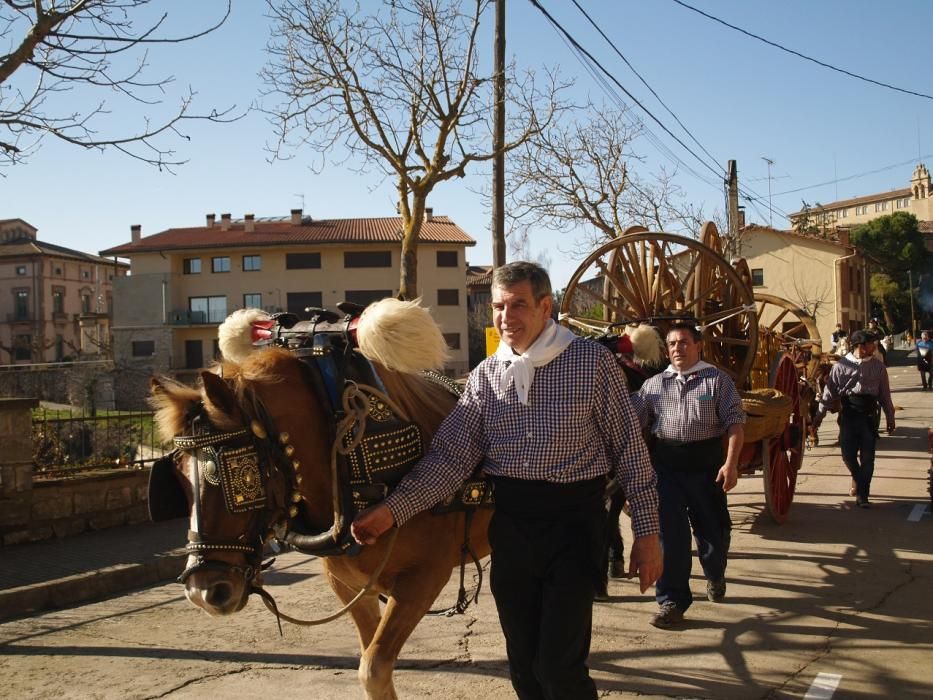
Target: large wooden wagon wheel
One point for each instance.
(784, 325)
(785, 452)
(659, 278)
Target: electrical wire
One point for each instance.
(590, 57)
(856, 176)
(804, 56)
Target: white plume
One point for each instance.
(235, 334)
(401, 336)
(647, 345)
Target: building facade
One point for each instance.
(917, 199)
(822, 275)
(186, 281)
(55, 303)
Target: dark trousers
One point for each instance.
(547, 541)
(857, 437)
(926, 378)
(690, 499)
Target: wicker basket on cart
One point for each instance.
(767, 411)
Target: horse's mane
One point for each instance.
(425, 402)
(170, 405)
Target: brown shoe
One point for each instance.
(853, 488)
(668, 616)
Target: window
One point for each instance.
(208, 309)
(302, 261)
(85, 303)
(252, 301)
(191, 266)
(20, 304)
(21, 270)
(299, 301)
(452, 340)
(365, 297)
(252, 263)
(758, 277)
(58, 300)
(58, 271)
(448, 297)
(878, 206)
(368, 258)
(447, 258)
(59, 348)
(22, 347)
(843, 213)
(862, 209)
(143, 348)
(220, 264)
(85, 275)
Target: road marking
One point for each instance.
(918, 512)
(823, 686)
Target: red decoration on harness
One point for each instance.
(261, 330)
(351, 329)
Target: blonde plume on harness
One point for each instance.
(401, 336)
(234, 337)
(647, 345)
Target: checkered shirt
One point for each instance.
(578, 425)
(699, 406)
(848, 376)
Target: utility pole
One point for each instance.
(732, 183)
(770, 210)
(913, 322)
(498, 143)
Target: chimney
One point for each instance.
(249, 223)
(296, 217)
(741, 217)
(136, 232)
(843, 234)
(428, 214)
(210, 220)
(224, 222)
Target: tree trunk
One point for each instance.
(412, 220)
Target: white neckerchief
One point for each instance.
(671, 370)
(552, 342)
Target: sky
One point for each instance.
(740, 98)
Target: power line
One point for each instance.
(804, 56)
(644, 82)
(634, 99)
(854, 177)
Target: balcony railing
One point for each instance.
(17, 317)
(184, 317)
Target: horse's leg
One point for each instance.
(400, 617)
(365, 612)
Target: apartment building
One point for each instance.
(823, 275)
(917, 199)
(186, 281)
(55, 302)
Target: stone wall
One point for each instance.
(75, 383)
(37, 510)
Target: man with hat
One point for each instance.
(860, 382)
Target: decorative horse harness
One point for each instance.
(373, 446)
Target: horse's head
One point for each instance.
(227, 476)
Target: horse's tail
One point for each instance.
(401, 336)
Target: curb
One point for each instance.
(89, 586)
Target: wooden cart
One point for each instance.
(759, 340)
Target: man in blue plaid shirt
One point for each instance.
(548, 417)
(688, 408)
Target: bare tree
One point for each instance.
(581, 170)
(94, 47)
(811, 296)
(399, 89)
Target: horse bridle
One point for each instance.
(233, 462)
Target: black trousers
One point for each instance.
(857, 438)
(547, 544)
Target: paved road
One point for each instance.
(837, 598)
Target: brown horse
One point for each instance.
(272, 388)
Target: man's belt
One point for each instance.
(860, 403)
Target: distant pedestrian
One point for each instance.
(689, 408)
(880, 333)
(860, 382)
(925, 360)
(838, 334)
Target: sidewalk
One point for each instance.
(63, 572)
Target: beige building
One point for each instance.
(823, 275)
(55, 302)
(186, 281)
(846, 213)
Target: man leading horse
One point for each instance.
(547, 417)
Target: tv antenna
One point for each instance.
(770, 210)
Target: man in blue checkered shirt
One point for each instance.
(688, 408)
(548, 417)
